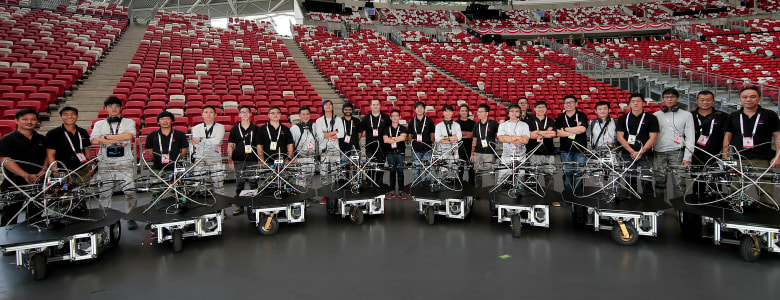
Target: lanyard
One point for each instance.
(332, 120)
(514, 130)
(742, 124)
(111, 128)
(577, 119)
(712, 124)
(170, 142)
(377, 123)
(81, 145)
(670, 122)
(397, 130)
(448, 127)
(267, 129)
(545, 124)
(349, 133)
(425, 119)
(638, 127)
(243, 135)
(210, 131)
(483, 135)
(601, 132)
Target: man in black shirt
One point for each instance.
(276, 140)
(68, 144)
(242, 149)
(421, 130)
(572, 126)
(542, 132)
(464, 152)
(166, 145)
(395, 137)
(24, 145)
(353, 131)
(751, 131)
(373, 125)
(484, 141)
(708, 124)
(637, 132)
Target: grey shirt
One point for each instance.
(102, 128)
(676, 132)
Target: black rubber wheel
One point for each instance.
(690, 224)
(176, 240)
(429, 215)
(115, 233)
(748, 249)
(517, 226)
(579, 215)
(267, 228)
(331, 205)
(38, 265)
(630, 239)
(356, 215)
(250, 215)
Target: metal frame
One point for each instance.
(165, 230)
(282, 213)
(371, 206)
(758, 230)
(504, 213)
(445, 207)
(634, 217)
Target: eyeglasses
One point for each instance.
(113, 106)
(514, 111)
(274, 113)
(244, 112)
(481, 112)
(569, 102)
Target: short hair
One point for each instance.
(752, 87)
(395, 110)
(25, 111)
(633, 95)
(447, 107)
(165, 114)
(274, 107)
(112, 100)
(347, 105)
(600, 103)
(539, 103)
(484, 106)
(464, 105)
(570, 96)
(374, 99)
(419, 103)
(245, 106)
(69, 108)
(511, 106)
(305, 107)
(671, 91)
(705, 93)
(205, 107)
(521, 98)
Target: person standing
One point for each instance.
(571, 127)
(674, 146)
(395, 136)
(447, 135)
(305, 142)
(166, 145)
(421, 132)
(23, 156)
(602, 130)
(207, 148)
(276, 141)
(243, 149)
(68, 144)
(514, 135)
(484, 142)
(708, 124)
(373, 125)
(353, 131)
(542, 132)
(465, 151)
(330, 128)
(636, 133)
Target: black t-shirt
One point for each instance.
(564, 121)
(282, 136)
(18, 147)
(714, 123)
(548, 145)
(649, 124)
(465, 126)
(160, 143)
(369, 123)
(352, 128)
(241, 138)
(394, 132)
(56, 140)
(485, 131)
(424, 127)
(768, 124)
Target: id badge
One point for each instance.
(539, 140)
(347, 139)
(376, 132)
(309, 145)
(703, 140)
(419, 138)
(515, 148)
(631, 139)
(165, 158)
(484, 143)
(82, 158)
(247, 149)
(571, 137)
(747, 142)
(394, 145)
(273, 146)
(678, 138)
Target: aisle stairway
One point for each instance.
(317, 80)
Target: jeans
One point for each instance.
(646, 163)
(396, 162)
(661, 160)
(570, 161)
(417, 159)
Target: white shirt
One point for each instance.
(518, 128)
(102, 128)
(672, 124)
(608, 139)
(212, 144)
(441, 132)
(304, 140)
(322, 127)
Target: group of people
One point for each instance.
(669, 137)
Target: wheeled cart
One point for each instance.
(188, 219)
(82, 240)
(269, 208)
(626, 216)
(754, 230)
(443, 202)
(357, 202)
(523, 208)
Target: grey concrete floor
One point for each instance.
(399, 256)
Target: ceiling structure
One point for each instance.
(213, 8)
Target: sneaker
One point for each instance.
(390, 196)
(324, 200)
(132, 225)
(403, 196)
(556, 204)
(238, 211)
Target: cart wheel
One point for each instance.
(268, 225)
(690, 224)
(115, 231)
(38, 265)
(250, 215)
(629, 238)
(176, 240)
(517, 226)
(331, 205)
(356, 216)
(579, 215)
(749, 248)
(429, 215)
